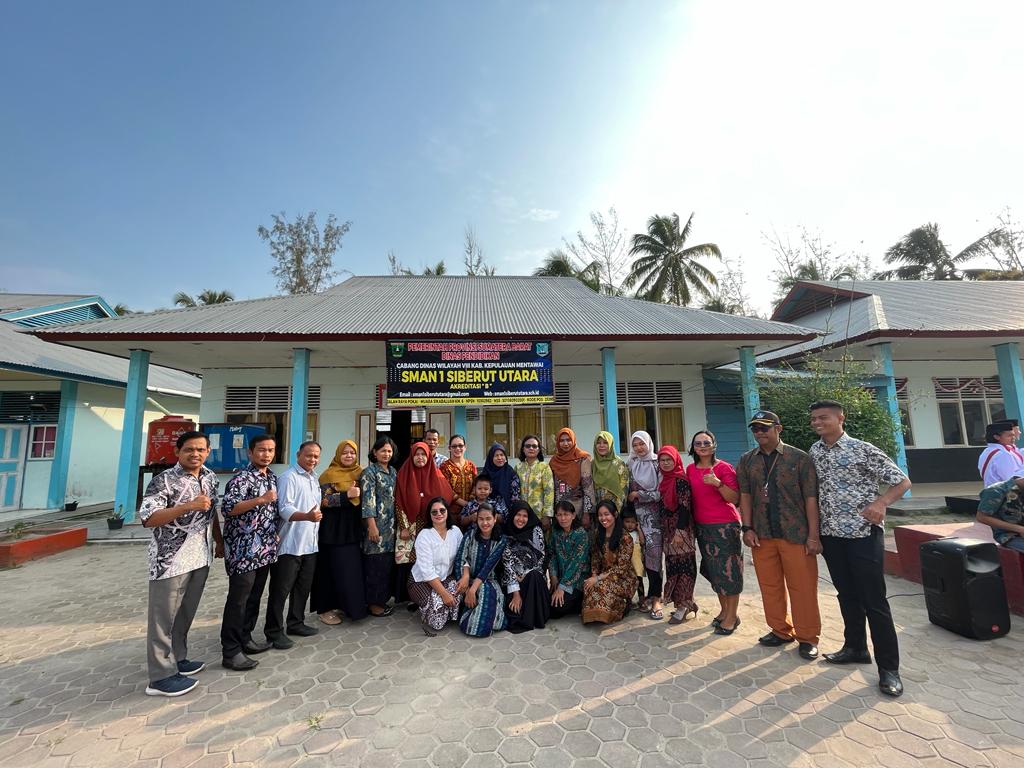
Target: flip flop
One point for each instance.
(657, 615)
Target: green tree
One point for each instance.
(666, 269)
(437, 270)
(790, 392)
(924, 256)
(811, 257)
(121, 309)
(303, 254)
(205, 298)
(558, 263)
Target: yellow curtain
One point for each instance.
(672, 428)
(527, 422)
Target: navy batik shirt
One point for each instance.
(250, 539)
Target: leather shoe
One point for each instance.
(771, 640)
(889, 682)
(282, 643)
(239, 662)
(256, 647)
(303, 630)
(848, 656)
(808, 651)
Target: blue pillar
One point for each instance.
(1010, 379)
(130, 455)
(62, 448)
(300, 402)
(748, 387)
(611, 395)
(460, 421)
(883, 354)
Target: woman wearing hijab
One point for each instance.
(611, 475)
(529, 603)
(571, 470)
(606, 594)
(504, 480)
(478, 560)
(338, 580)
(677, 530)
(644, 492)
(536, 483)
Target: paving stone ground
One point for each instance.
(379, 693)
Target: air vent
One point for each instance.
(669, 391)
(34, 407)
(472, 414)
(977, 388)
(266, 399)
(562, 394)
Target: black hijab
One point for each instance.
(524, 534)
(501, 477)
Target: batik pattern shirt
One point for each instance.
(793, 480)
(849, 473)
(521, 557)
(1003, 501)
(537, 487)
(473, 506)
(181, 545)
(570, 561)
(250, 539)
(459, 478)
(377, 488)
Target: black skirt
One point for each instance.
(571, 605)
(338, 583)
(536, 608)
(379, 577)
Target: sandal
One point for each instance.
(657, 615)
(330, 618)
(720, 630)
(388, 610)
(427, 630)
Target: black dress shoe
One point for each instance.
(771, 640)
(281, 643)
(809, 651)
(889, 682)
(239, 662)
(303, 630)
(848, 656)
(256, 647)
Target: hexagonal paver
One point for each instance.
(449, 756)
(581, 744)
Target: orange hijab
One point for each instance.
(566, 464)
(416, 486)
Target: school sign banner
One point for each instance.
(469, 373)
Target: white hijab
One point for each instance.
(644, 470)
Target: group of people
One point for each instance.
(1001, 466)
(509, 548)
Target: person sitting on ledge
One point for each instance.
(1001, 507)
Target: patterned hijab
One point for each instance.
(644, 470)
(566, 464)
(501, 477)
(337, 474)
(416, 486)
(606, 468)
(668, 479)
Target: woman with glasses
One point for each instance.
(529, 603)
(536, 483)
(459, 472)
(433, 586)
(644, 492)
(715, 494)
(677, 530)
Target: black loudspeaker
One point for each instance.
(963, 587)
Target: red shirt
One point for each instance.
(709, 507)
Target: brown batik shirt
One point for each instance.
(791, 480)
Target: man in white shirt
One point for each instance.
(291, 577)
(1001, 458)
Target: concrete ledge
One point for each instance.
(39, 542)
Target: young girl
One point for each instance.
(529, 602)
(607, 592)
(478, 560)
(630, 526)
(482, 494)
(570, 561)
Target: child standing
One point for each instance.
(482, 489)
(629, 524)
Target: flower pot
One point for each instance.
(71, 506)
(114, 523)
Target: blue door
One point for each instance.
(12, 464)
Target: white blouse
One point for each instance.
(434, 555)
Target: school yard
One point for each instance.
(379, 693)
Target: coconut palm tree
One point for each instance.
(437, 270)
(558, 263)
(924, 256)
(666, 269)
(206, 297)
(121, 309)
(811, 270)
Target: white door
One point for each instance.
(13, 438)
(442, 422)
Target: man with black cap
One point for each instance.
(1001, 458)
(779, 507)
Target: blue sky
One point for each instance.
(144, 142)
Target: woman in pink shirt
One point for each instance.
(715, 493)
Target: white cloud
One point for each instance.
(541, 214)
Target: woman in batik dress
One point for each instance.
(606, 594)
(478, 559)
(677, 532)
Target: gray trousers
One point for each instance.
(172, 607)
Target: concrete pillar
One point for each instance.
(459, 427)
(57, 491)
(748, 388)
(300, 402)
(883, 355)
(1010, 379)
(611, 396)
(130, 455)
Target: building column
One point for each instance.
(130, 454)
(459, 427)
(1010, 379)
(883, 355)
(300, 402)
(57, 492)
(748, 388)
(611, 394)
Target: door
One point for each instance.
(13, 438)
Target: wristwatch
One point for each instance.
(745, 528)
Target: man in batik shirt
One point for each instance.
(179, 505)
(1002, 509)
(250, 546)
(852, 538)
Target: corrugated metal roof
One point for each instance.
(426, 306)
(21, 351)
(12, 302)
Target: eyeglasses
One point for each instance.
(439, 511)
(703, 444)
(531, 445)
(760, 428)
(457, 445)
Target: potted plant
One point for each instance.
(115, 519)
(71, 506)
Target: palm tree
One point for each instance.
(437, 270)
(666, 269)
(811, 270)
(925, 257)
(558, 263)
(121, 309)
(205, 298)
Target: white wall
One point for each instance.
(924, 408)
